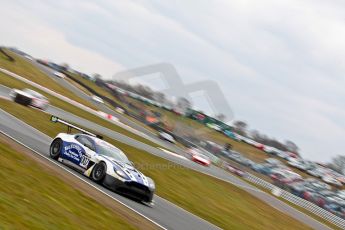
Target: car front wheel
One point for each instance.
(98, 173)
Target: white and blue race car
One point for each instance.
(102, 162)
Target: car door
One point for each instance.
(89, 147)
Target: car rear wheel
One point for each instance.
(98, 173)
(55, 149)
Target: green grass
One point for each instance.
(14, 83)
(249, 151)
(282, 199)
(213, 200)
(101, 91)
(33, 198)
(92, 85)
(26, 69)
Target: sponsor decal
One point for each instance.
(73, 152)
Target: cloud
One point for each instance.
(43, 41)
(279, 63)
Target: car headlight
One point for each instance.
(151, 183)
(120, 173)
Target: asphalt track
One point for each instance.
(36, 142)
(164, 213)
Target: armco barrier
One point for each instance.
(311, 207)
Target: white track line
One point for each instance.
(172, 153)
(73, 173)
(82, 179)
(249, 187)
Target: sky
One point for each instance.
(279, 64)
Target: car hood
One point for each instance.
(134, 174)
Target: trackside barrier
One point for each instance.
(311, 207)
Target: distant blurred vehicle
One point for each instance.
(258, 167)
(120, 110)
(316, 184)
(293, 161)
(253, 143)
(214, 126)
(316, 172)
(282, 154)
(59, 74)
(297, 188)
(230, 134)
(339, 177)
(97, 99)
(167, 136)
(280, 168)
(294, 155)
(246, 162)
(317, 199)
(258, 145)
(29, 97)
(341, 194)
(285, 177)
(331, 180)
(201, 159)
(271, 150)
(235, 170)
(273, 161)
(265, 168)
(300, 163)
(213, 147)
(334, 199)
(336, 209)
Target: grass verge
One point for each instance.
(24, 68)
(14, 83)
(31, 197)
(213, 200)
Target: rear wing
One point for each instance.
(71, 126)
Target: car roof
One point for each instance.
(98, 141)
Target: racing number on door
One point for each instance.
(84, 161)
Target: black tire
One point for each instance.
(99, 172)
(55, 148)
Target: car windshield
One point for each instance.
(106, 149)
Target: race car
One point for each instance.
(97, 99)
(235, 170)
(29, 97)
(59, 74)
(167, 136)
(196, 155)
(102, 162)
(201, 159)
